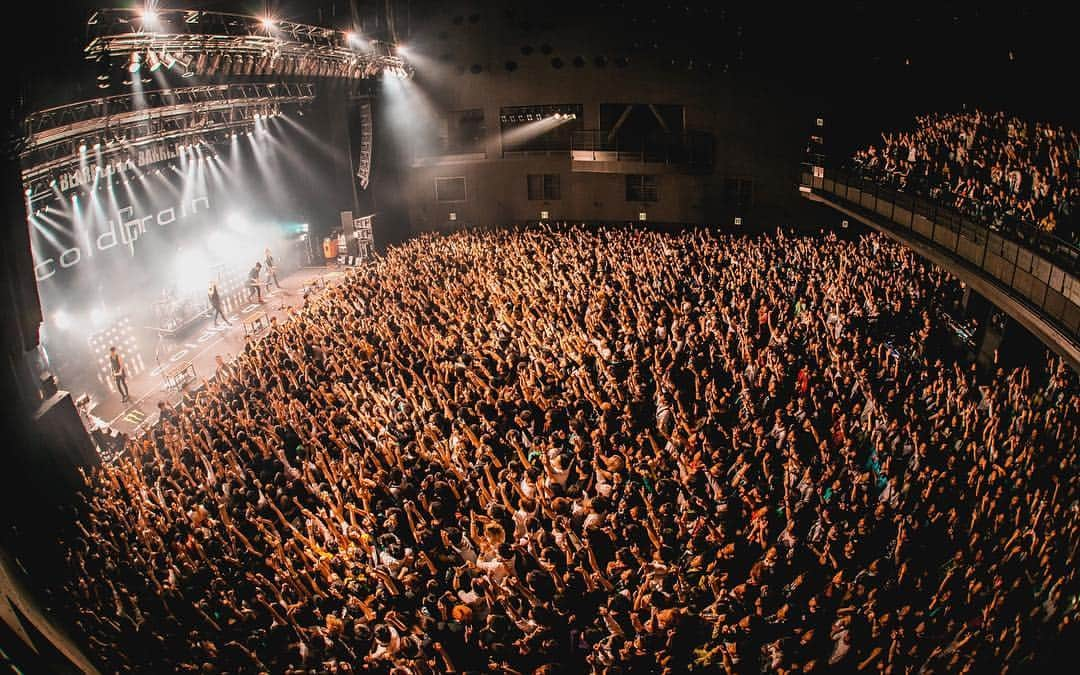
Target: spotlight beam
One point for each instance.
(526, 132)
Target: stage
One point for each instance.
(199, 351)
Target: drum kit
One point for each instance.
(172, 312)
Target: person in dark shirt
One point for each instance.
(214, 297)
(254, 285)
(271, 269)
(166, 413)
(119, 374)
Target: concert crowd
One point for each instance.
(607, 450)
(992, 167)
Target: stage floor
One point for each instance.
(201, 349)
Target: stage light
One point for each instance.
(153, 60)
(82, 147)
(61, 319)
(268, 23)
(237, 222)
(350, 37)
(191, 270)
(218, 242)
(136, 63)
(148, 15)
(29, 192)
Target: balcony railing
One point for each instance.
(442, 149)
(1039, 268)
(694, 149)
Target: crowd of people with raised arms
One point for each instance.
(993, 167)
(609, 450)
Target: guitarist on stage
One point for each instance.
(271, 270)
(119, 373)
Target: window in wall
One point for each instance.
(544, 187)
(457, 132)
(631, 124)
(465, 131)
(739, 192)
(450, 189)
(642, 188)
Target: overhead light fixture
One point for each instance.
(268, 23)
(148, 15)
(136, 63)
(169, 60)
(153, 60)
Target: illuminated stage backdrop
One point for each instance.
(117, 260)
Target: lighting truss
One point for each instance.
(117, 130)
(215, 43)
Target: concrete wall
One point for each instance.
(759, 133)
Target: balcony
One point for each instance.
(443, 151)
(1031, 275)
(598, 150)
